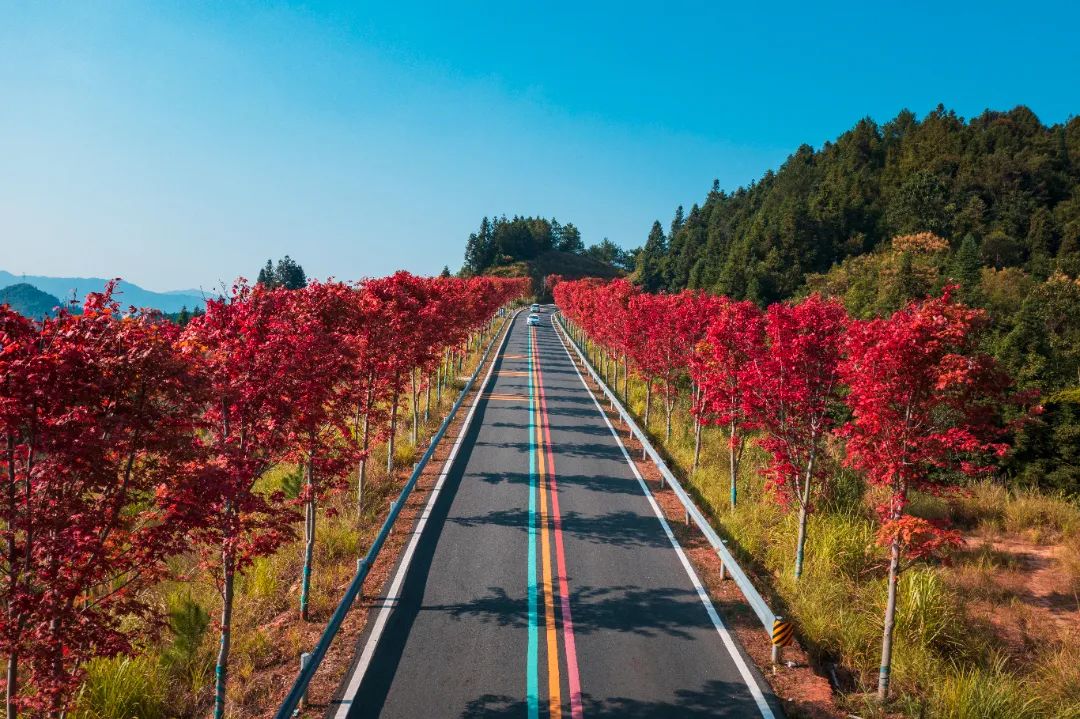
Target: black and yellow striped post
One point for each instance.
(783, 634)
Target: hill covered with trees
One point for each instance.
(536, 247)
(28, 300)
(502, 242)
(889, 213)
(1005, 179)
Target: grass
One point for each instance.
(947, 661)
(984, 693)
(123, 688)
(1070, 559)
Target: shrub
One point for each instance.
(188, 622)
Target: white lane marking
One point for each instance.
(721, 629)
(393, 596)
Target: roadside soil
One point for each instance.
(1024, 597)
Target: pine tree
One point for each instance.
(966, 270)
(650, 260)
(480, 249)
(266, 275)
(906, 285)
(677, 221)
(570, 240)
(289, 274)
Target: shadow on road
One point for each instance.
(712, 700)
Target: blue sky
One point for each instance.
(181, 144)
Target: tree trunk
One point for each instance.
(393, 432)
(625, 381)
(221, 671)
(427, 400)
(56, 711)
(890, 622)
(697, 446)
(669, 406)
(804, 506)
(12, 684)
(309, 543)
(733, 464)
(800, 543)
(648, 403)
(362, 469)
(12, 687)
(415, 408)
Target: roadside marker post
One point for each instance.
(783, 634)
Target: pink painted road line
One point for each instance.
(573, 676)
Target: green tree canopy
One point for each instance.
(287, 273)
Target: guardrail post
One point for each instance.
(305, 657)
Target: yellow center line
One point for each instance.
(554, 689)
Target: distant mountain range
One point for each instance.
(126, 293)
(29, 301)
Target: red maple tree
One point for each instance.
(99, 458)
(794, 384)
(251, 350)
(924, 403)
(320, 442)
(733, 340)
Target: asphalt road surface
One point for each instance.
(542, 581)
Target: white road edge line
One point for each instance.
(392, 597)
(721, 629)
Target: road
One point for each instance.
(543, 581)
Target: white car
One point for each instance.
(534, 319)
(534, 308)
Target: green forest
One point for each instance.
(893, 212)
(501, 242)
